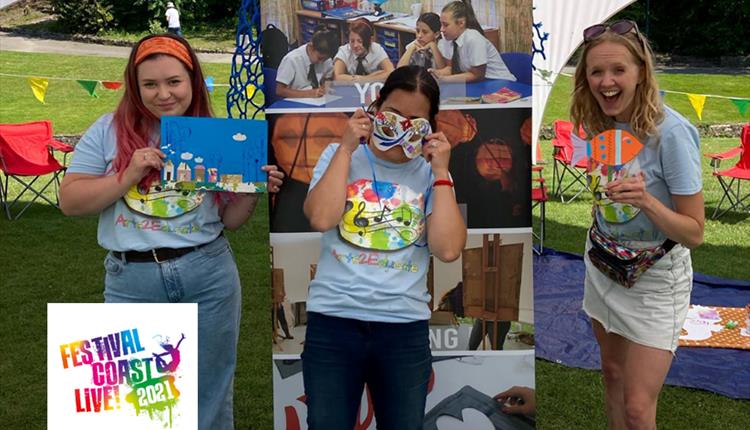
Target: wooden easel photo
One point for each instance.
(492, 283)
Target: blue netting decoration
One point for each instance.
(537, 42)
(538, 38)
(244, 98)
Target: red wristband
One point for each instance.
(439, 182)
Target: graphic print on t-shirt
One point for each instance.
(163, 203)
(386, 218)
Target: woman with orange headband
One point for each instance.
(165, 246)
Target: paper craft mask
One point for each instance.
(391, 129)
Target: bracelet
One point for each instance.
(440, 182)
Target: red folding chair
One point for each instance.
(563, 162)
(734, 177)
(25, 156)
(538, 198)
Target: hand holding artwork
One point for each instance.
(275, 177)
(141, 162)
(517, 400)
(437, 151)
(358, 127)
(630, 190)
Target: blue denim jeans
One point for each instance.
(207, 276)
(342, 355)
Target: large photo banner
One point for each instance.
(481, 323)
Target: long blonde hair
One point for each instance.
(649, 108)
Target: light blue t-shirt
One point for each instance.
(671, 164)
(373, 265)
(138, 221)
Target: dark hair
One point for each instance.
(411, 79)
(364, 30)
(325, 41)
(463, 9)
(431, 19)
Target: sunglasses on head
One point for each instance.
(621, 27)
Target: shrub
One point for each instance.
(83, 16)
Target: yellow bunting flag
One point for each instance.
(697, 100)
(250, 91)
(38, 87)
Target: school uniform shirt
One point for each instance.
(375, 55)
(423, 58)
(475, 50)
(373, 265)
(295, 67)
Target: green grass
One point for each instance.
(715, 111)
(569, 398)
(51, 258)
(67, 104)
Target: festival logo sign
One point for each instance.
(122, 366)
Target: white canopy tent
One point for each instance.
(558, 31)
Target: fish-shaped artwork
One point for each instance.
(614, 147)
(611, 147)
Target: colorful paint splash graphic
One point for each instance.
(117, 359)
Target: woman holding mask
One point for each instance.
(382, 209)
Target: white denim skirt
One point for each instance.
(651, 312)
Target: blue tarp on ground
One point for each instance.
(563, 331)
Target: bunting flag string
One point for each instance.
(697, 101)
(39, 84)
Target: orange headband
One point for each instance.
(163, 45)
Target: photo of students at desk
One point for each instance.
(452, 46)
(361, 59)
(303, 71)
(423, 51)
(471, 56)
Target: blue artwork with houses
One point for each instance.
(214, 154)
